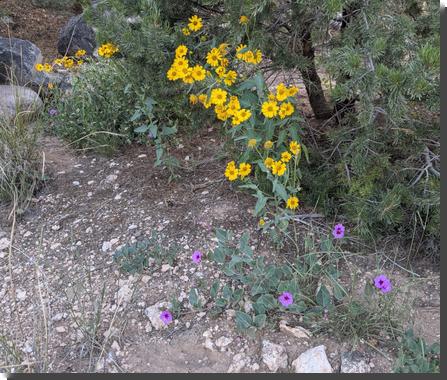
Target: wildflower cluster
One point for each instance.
(222, 79)
(65, 62)
(107, 50)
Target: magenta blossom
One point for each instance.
(339, 231)
(285, 299)
(383, 283)
(197, 257)
(166, 317)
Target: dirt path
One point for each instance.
(78, 312)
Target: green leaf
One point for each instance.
(222, 235)
(260, 320)
(260, 204)
(219, 255)
(141, 129)
(280, 190)
(243, 320)
(323, 297)
(137, 114)
(167, 131)
(194, 297)
(214, 289)
(268, 301)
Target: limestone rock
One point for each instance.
(313, 360)
(274, 355)
(16, 100)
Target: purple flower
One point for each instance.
(166, 317)
(285, 299)
(383, 283)
(197, 257)
(53, 112)
(339, 231)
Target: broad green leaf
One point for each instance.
(279, 189)
(260, 320)
(260, 204)
(243, 320)
(323, 296)
(141, 129)
(214, 289)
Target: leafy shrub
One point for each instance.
(134, 258)
(416, 357)
(96, 112)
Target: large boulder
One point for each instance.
(76, 35)
(18, 101)
(17, 60)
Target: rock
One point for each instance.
(124, 294)
(223, 341)
(209, 344)
(76, 35)
(17, 58)
(61, 329)
(59, 316)
(297, 331)
(274, 355)
(16, 100)
(313, 360)
(4, 243)
(153, 313)
(353, 362)
(239, 362)
(20, 294)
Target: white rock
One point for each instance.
(209, 344)
(61, 329)
(59, 316)
(297, 331)
(76, 183)
(4, 243)
(239, 362)
(115, 346)
(20, 294)
(274, 355)
(111, 178)
(124, 294)
(153, 313)
(313, 360)
(223, 341)
(165, 268)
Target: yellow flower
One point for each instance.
(80, 53)
(235, 121)
(231, 172)
(224, 62)
(268, 144)
(181, 51)
(213, 57)
(293, 202)
(281, 92)
(251, 143)
(240, 55)
(292, 90)
(202, 98)
(38, 67)
(218, 96)
(223, 48)
(295, 148)
(68, 63)
(286, 109)
(198, 73)
(59, 61)
(47, 68)
(220, 71)
(249, 57)
(271, 97)
(188, 78)
(107, 50)
(243, 115)
(269, 109)
(230, 77)
(233, 105)
(186, 31)
(243, 20)
(279, 168)
(258, 57)
(221, 112)
(50, 86)
(80, 62)
(261, 222)
(173, 73)
(195, 23)
(193, 99)
(180, 62)
(244, 170)
(268, 162)
(285, 156)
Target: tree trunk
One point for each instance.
(312, 80)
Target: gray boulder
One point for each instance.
(18, 101)
(76, 35)
(17, 60)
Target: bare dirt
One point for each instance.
(41, 26)
(70, 308)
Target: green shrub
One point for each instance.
(21, 170)
(96, 113)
